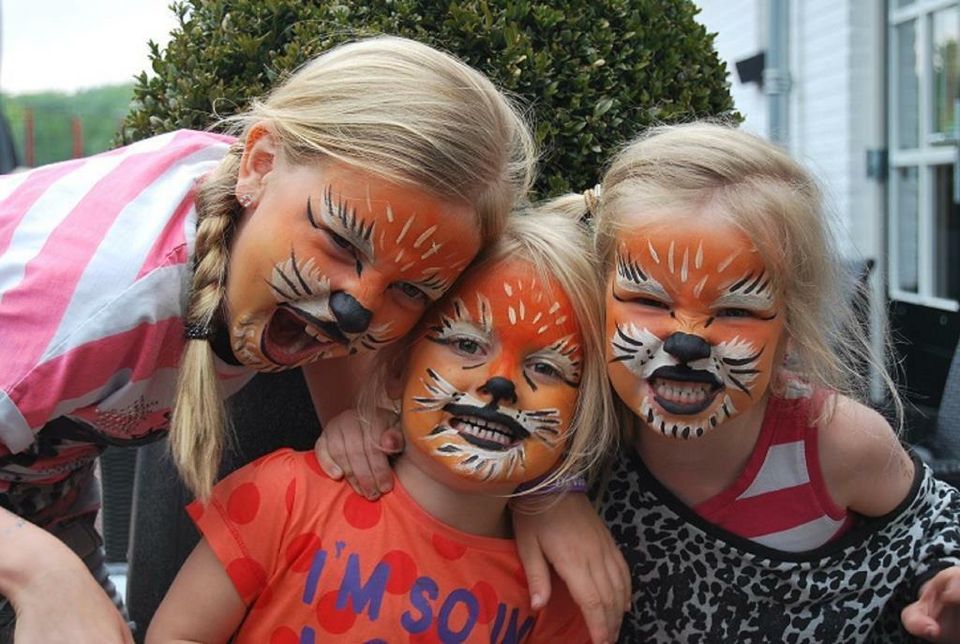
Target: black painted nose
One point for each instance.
(686, 347)
(500, 389)
(350, 314)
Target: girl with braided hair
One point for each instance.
(141, 286)
(502, 382)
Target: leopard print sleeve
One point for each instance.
(694, 582)
(938, 514)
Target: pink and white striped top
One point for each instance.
(94, 276)
(780, 499)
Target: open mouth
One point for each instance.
(293, 336)
(684, 391)
(486, 428)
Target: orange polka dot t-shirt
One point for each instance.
(316, 562)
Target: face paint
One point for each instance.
(491, 386)
(335, 260)
(693, 324)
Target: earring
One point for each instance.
(245, 200)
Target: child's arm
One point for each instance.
(935, 616)
(347, 448)
(202, 605)
(865, 468)
(41, 577)
(573, 539)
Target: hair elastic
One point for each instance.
(591, 197)
(198, 331)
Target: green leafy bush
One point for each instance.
(594, 72)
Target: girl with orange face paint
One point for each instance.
(144, 285)
(694, 325)
(492, 385)
(754, 494)
(502, 383)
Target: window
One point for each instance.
(924, 226)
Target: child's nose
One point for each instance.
(499, 388)
(686, 347)
(352, 317)
(368, 291)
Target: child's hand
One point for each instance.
(575, 541)
(935, 616)
(357, 450)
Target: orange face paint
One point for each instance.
(490, 388)
(693, 324)
(335, 260)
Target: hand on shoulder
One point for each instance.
(865, 467)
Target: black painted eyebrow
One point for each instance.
(630, 269)
(338, 215)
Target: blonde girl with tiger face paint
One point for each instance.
(331, 260)
(733, 343)
(491, 386)
(694, 326)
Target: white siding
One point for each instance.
(740, 33)
(836, 100)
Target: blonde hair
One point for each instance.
(387, 105)
(558, 248)
(756, 187)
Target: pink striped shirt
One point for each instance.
(94, 276)
(780, 499)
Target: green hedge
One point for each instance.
(594, 72)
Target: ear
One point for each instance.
(259, 155)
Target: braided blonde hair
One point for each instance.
(387, 105)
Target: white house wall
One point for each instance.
(740, 33)
(836, 98)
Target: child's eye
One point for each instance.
(411, 291)
(649, 301)
(468, 346)
(340, 241)
(734, 313)
(546, 369)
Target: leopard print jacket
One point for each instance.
(693, 582)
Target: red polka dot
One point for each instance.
(403, 572)
(360, 513)
(290, 495)
(448, 549)
(315, 466)
(284, 635)
(487, 598)
(333, 620)
(195, 510)
(520, 576)
(247, 575)
(264, 598)
(243, 504)
(429, 636)
(301, 550)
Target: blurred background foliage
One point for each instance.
(592, 73)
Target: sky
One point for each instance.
(67, 45)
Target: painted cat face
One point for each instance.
(693, 324)
(490, 388)
(334, 260)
